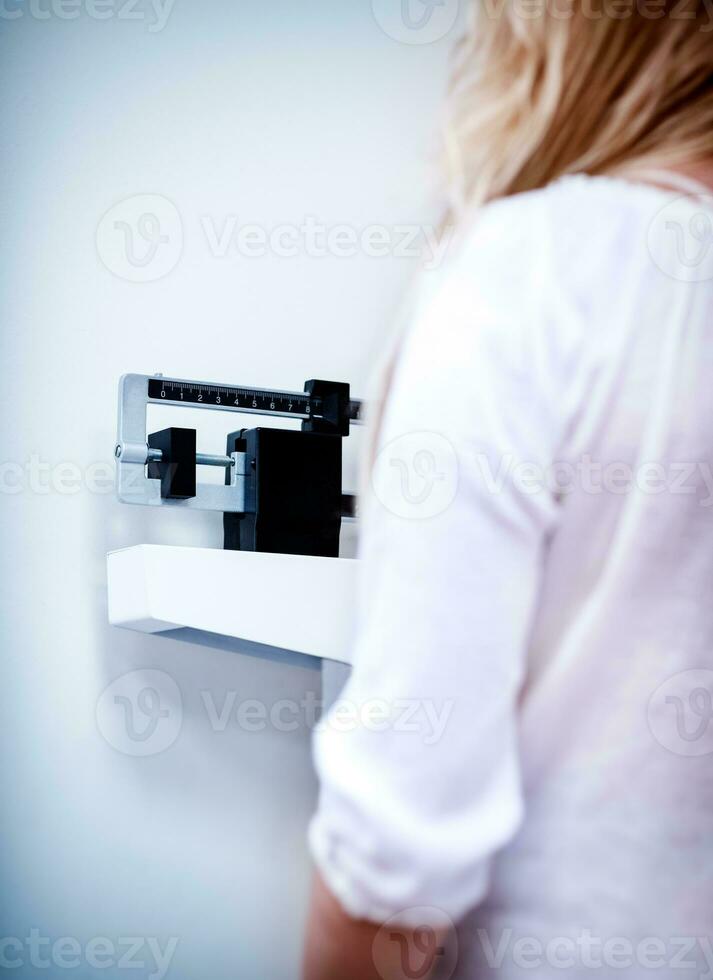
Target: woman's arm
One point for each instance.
(337, 947)
(341, 948)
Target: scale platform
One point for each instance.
(263, 604)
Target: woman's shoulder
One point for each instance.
(587, 232)
(577, 222)
(577, 243)
(546, 286)
(576, 254)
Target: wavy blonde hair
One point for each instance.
(564, 87)
(543, 88)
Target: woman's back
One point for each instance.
(538, 546)
(613, 865)
(547, 595)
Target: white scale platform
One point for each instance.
(262, 604)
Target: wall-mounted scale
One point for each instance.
(278, 588)
(283, 487)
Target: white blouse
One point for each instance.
(526, 742)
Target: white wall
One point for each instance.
(269, 111)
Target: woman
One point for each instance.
(544, 605)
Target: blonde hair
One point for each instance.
(544, 88)
(616, 87)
